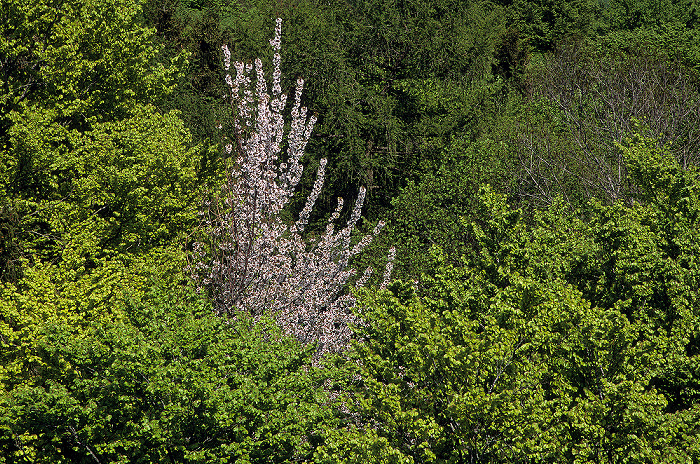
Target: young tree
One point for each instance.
(254, 261)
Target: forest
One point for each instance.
(369, 231)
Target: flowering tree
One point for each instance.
(253, 260)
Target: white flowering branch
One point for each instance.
(254, 261)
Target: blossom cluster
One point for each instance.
(253, 260)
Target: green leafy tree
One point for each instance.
(429, 213)
(164, 381)
(565, 340)
(543, 23)
(53, 293)
(87, 162)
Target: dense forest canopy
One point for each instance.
(537, 167)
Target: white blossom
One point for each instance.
(254, 261)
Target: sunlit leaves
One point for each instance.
(570, 339)
(168, 380)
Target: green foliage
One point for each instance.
(123, 186)
(390, 82)
(652, 273)
(633, 14)
(429, 212)
(87, 60)
(62, 294)
(88, 166)
(442, 387)
(543, 23)
(165, 381)
(565, 331)
(567, 340)
(350, 446)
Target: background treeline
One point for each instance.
(536, 162)
(421, 102)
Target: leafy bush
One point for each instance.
(167, 381)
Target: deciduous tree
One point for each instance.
(253, 260)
